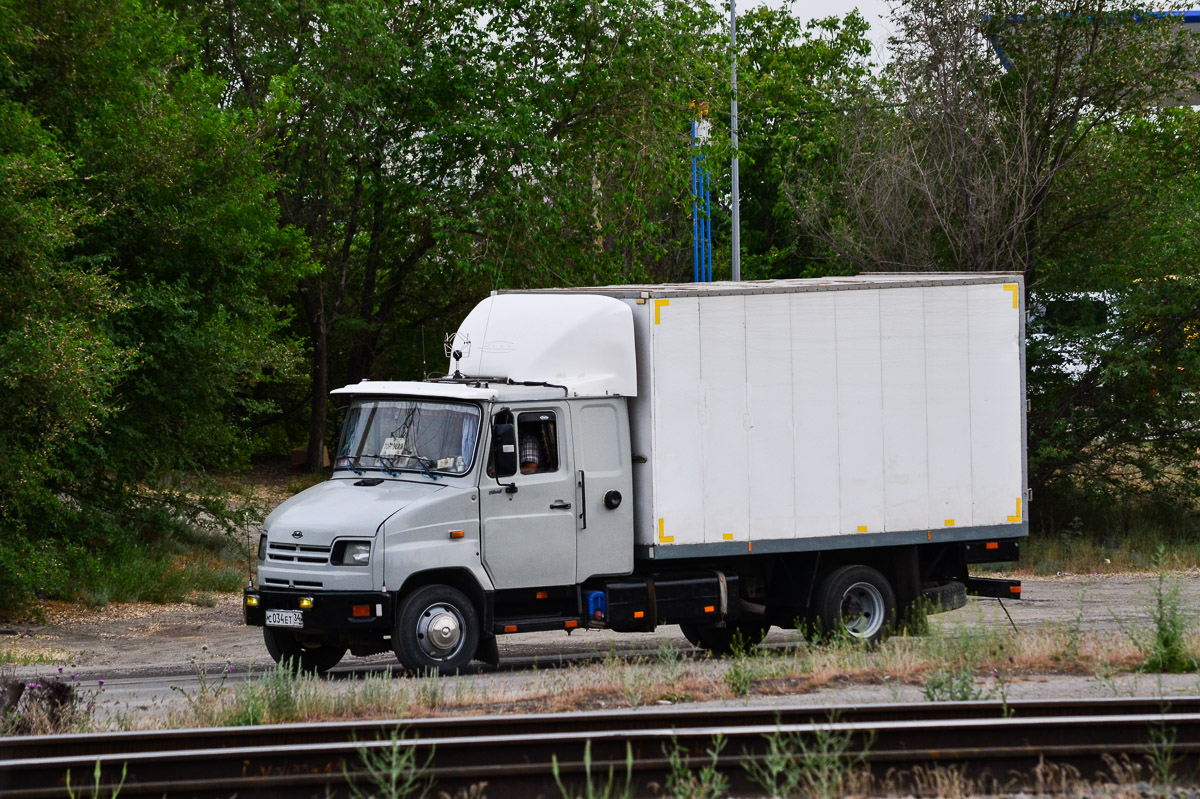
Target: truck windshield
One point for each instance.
(395, 435)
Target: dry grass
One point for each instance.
(991, 656)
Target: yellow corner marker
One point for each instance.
(1016, 518)
(658, 304)
(1015, 289)
(664, 539)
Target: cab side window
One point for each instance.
(537, 442)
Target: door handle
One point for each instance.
(560, 505)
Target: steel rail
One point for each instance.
(519, 764)
(95, 744)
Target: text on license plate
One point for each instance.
(285, 618)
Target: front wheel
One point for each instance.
(857, 601)
(313, 657)
(437, 629)
(724, 640)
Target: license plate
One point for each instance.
(285, 618)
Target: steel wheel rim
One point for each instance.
(440, 631)
(862, 610)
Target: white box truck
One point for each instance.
(721, 456)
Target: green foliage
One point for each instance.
(795, 82)
(141, 253)
(97, 790)
(820, 763)
(596, 786)
(1165, 647)
(952, 685)
(685, 781)
(392, 770)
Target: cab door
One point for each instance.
(529, 534)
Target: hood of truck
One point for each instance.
(338, 508)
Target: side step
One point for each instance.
(535, 624)
(994, 587)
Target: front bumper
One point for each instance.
(331, 610)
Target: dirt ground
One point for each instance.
(163, 640)
(140, 663)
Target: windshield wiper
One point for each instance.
(385, 463)
(425, 464)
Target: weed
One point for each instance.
(738, 676)
(952, 685)
(45, 706)
(1162, 759)
(391, 768)
(1165, 648)
(597, 787)
(429, 691)
(669, 658)
(685, 782)
(818, 765)
(203, 704)
(94, 792)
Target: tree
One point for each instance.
(1030, 139)
(142, 250)
(435, 150)
(995, 104)
(795, 81)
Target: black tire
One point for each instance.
(437, 629)
(950, 595)
(302, 656)
(856, 601)
(721, 640)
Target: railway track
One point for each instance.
(513, 754)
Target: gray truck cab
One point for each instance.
(452, 492)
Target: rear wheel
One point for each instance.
(312, 656)
(857, 601)
(437, 629)
(723, 640)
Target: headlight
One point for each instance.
(356, 553)
(262, 547)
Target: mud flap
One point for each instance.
(487, 651)
(989, 586)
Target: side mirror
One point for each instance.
(504, 449)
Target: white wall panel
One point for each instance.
(641, 427)
(860, 411)
(995, 403)
(724, 418)
(678, 456)
(905, 440)
(815, 449)
(769, 393)
(949, 419)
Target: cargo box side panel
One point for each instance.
(724, 419)
(905, 438)
(769, 387)
(860, 411)
(641, 427)
(815, 444)
(996, 415)
(679, 449)
(947, 381)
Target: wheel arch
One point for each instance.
(462, 579)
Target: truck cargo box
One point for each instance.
(826, 413)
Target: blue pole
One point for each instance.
(708, 230)
(695, 214)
